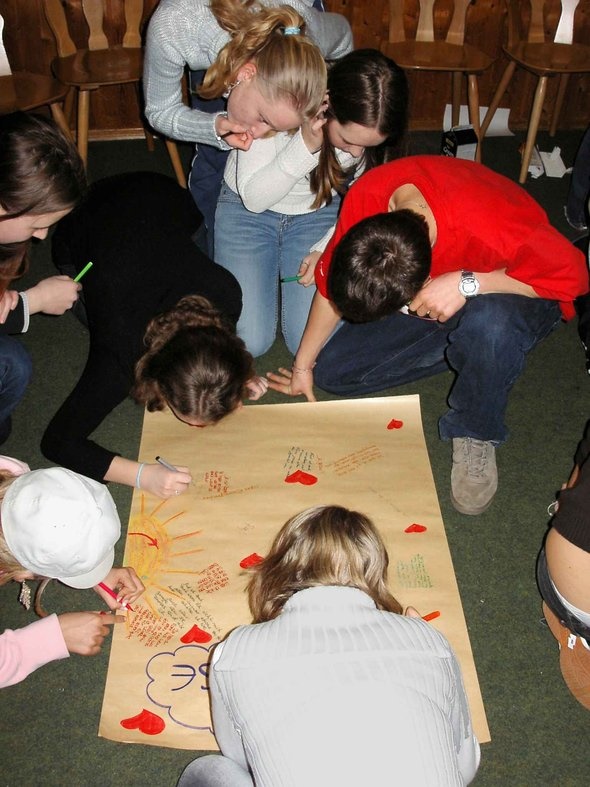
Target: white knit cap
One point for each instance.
(62, 525)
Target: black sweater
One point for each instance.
(572, 519)
(136, 228)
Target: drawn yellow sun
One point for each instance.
(154, 553)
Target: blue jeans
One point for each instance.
(215, 770)
(485, 344)
(207, 167)
(579, 190)
(260, 249)
(15, 373)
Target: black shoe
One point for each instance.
(577, 224)
(5, 429)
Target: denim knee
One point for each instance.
(16, 369)
(500, 325)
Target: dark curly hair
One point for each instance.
(194, 363)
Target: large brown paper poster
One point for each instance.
(251, 472)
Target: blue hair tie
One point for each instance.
(291, 31)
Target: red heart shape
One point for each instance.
(415, 529)
(146, 722)
(195, 634)
(251, 561)
(393, 424)
(301, 477)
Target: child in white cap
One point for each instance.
(57, 524)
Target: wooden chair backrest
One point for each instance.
(533, 28)
(425, 25)
(5, 69)
(94, 11)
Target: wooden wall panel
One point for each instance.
(29, 44)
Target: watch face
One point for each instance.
(468, 286)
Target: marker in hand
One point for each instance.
(84, 270)
(112, 594)
(292, 278)
(166, 464)
(160, 460)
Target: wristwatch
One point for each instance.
(468, 285)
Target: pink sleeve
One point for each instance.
(14, 466)
(25, 650)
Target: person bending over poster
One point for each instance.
(436, 264)
(333, 684)
(161, 318)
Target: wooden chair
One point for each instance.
(101, 63)
(529, 47)
(24, 91)
(425, 53)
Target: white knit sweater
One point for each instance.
(185, 33)
(335, 692)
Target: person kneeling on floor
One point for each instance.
(435, 264)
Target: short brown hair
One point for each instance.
(379, 265)
(324, 545)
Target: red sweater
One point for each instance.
(484, 221)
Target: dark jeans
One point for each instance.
(485, 344)
(15, 373)
(550, 597)
(579, 190)
(206, 175)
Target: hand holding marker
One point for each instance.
(112, 593)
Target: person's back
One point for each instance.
(336, 692)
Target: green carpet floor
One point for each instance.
(540, 734)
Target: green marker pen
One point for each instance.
(291, 278)
(84, 270)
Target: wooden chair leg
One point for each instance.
(473, 99)
(500, 90)
(83, 119)
(176, 163)
(457, 78)
(59, 117)
(69, 104)
(563, 81)
(149, 137)
(538, 101)
(149, 140)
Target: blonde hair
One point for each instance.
(10, 568)
(289, 67)
(324, 545)
(9, 565)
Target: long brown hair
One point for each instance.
(289, 67)
(367, 88)
(40, 172)
(194, 362)
(324, 545)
